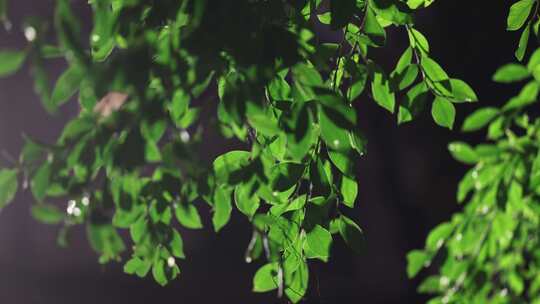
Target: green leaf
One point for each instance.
(381, 92)
(76, 128)
(349, 191)
(307, 75)
(10, 61)
(407, 77)
(534, 61)
(47, 214)
(246, 201)
(418, 41)
(325, 18)
(42, 87)
(151, 152)
(416, 260)
(413, 103)
(515, 281)
(433, 70)
(265, 278)
(343, 161)
(320, 179)
(138, 230)
(463, 152)
(523, 42)
(41, 180)
(188, 118)
(125, 218)
(526, 96)
(198, 89)
(358, 141)
(431, 284)
(67, 85)
(8, 186)
(415, 4)
(352, 234)
(359, 76)
(222, 208)
(31, 151)
(404, 61)
(179, 105)
(188, 216)
(443, 112)
(133, 265)
(462, 92)
(226, 164)
(405, 72)
(296, 204)
(299, 141)
(438, 236)
(334, 133)
(102, 37)
(264, 124)
(105, 240)
(375, 32)
(51, 52)
(137, 266)
(153, 131)
(318, 243)
(68, 29)
(279, 89)
(396, 12)
(177, 245)
(479, 119)
(158, 272)
(296, 285)
(278, 147)
(143, 269)
(519, 12)
(512, 72)
(534, 180)
(87, 96)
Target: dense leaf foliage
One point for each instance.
(490, 252)
(153, 76)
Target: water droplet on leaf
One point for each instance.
(184, 136)
(30, 33)
(171, 262)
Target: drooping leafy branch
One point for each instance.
(490, 252)
(155, 75)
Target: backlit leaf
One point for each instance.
(443, 112)
(480, 118)
(8, 186)
(519, 12)
(318, 242)
(10, 61)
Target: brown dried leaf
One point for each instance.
(110, 103)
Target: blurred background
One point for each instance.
(407, 185)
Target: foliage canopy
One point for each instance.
(153, 75)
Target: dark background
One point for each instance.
(407, 185)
